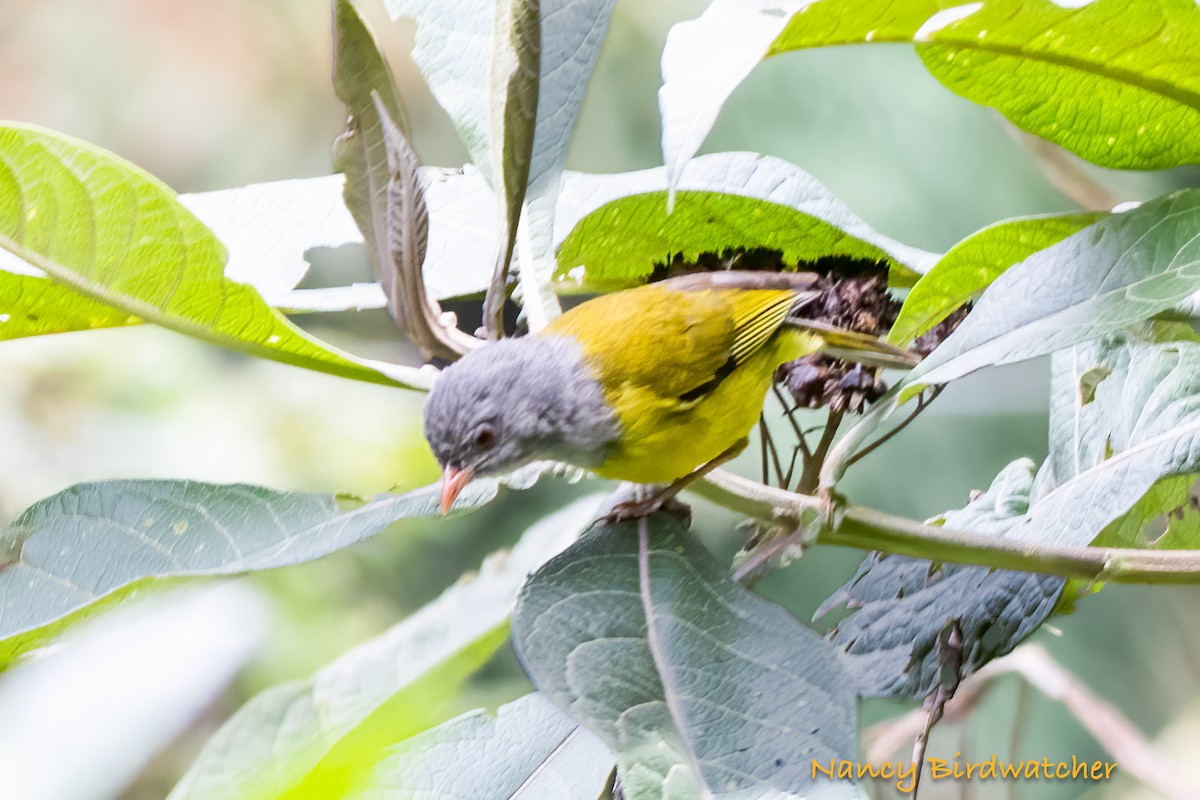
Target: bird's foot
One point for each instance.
(829, 512)
(636, 509)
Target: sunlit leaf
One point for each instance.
(317, 738)
(685, 674)
(971, 265)
(460, 50)
(1114, 81)
(113, 233)
(621, 228)
(1113, 274)
(528, 749)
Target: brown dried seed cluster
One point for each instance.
(853, 295)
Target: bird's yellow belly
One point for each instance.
(662, 441)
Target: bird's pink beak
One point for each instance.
(453, 482)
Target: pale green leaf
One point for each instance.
(685, 674)
(92, 545)
(621, 228)
(317, 738)
(528, 749)
(971, 265)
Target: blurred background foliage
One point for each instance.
(210, 94)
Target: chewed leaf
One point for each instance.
(901, 605)
(621, 228)
(697, 684)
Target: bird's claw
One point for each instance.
(636, 509)
(829, 510)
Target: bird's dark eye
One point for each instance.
(485, 438)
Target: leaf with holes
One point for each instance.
(698, 685)
(621, 229)
(901, 605)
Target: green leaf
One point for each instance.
(901, 605)
(95, 544)
(971, 265)
(685, 674)
(317, 738)
(621, 227)
(113, 233)
(1111, 275)
(122, 690)
(1114, 81)
(527, 749)
(33, 305)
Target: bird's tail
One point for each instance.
(861, 348)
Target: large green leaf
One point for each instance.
(121, 690)
(622, 229)
(971, 265)
(113, 233)
(695, 682)
(1116, 81)
(317, 738)
(95, 544)
(528, 749)
(902, 605)
(1113, 274)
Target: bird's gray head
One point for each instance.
(513, 402)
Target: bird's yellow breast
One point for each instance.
(685, 372)
(663, 440)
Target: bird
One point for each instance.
(656, 384)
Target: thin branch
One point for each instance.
(1106, 724)
(812, 467)
(1065, 172)
(923, 402)
(869, 529)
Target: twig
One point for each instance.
(769, 441)
(923, 402)
(869, 529)
(1064, 172)
(812, 467)
(1018, 730)
(1106, 724)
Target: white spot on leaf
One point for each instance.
(1072, 3)
(944, 18)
